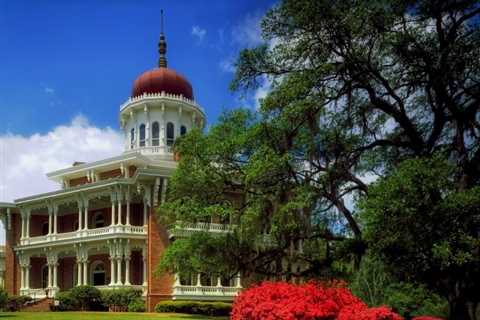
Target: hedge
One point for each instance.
(121, 299)
(195, 307)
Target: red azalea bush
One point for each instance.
(310, 301)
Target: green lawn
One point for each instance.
(99, 316)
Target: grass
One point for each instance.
(100, 316)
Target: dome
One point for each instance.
(162, 80)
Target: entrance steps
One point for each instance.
(39, 305)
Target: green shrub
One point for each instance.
(195, 307)
(3, 299)
(137, 305)
(15, 303)
(87, 297)
(120, 299)
(66, 302)
(410, 300)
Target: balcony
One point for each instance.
(185, 229)
(87, 235)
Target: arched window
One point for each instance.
(132, 138)
(155, 134)
(98, 273)
(183, 130)
(99, 220)
(170, 134)
(142, 135)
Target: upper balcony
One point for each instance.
(87, 235)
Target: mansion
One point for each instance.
(101, 228)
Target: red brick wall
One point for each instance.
(36, 264)
(78, 181)
(36, 224)
(12, 268)
(66, 273)
(159, 286)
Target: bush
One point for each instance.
(195, 307)
(120, 299)
(66, 302)
(3, 299)
(87, 297)
(137, 305)
(308, 301)
(15, 303)
(410, 300)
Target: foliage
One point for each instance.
(3, 299)
(137, 305)
(66, 302)
(195, 307)
(425, 230)
(85, 297)
(356, 87)
(120, 299)
(15, 303)
(370, 281)
(410, 300)
(308, 301)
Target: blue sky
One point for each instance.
(60, 59)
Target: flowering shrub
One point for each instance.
(311, 301)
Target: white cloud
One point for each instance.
(24, 160)
(227, 65)
(248, 32)
(262, 91)
(49, 90)
(199, 33)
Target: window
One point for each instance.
(170, 133)
(142, 135)
(99, 220)
(183, 130)
(98, 273)
(132, 138)
(155, 134)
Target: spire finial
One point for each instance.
(162, 45)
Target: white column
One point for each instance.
(219, 281)
(50, 273)
(55, 274)
(27, 227)
(119, 271)
(199, 280)
(127, 270)
(79, 273)
(23, 225)
(27, 276)
(128, 212)
(55, 214)
(22, 278)
(50, 220)
(113, 212)
(112, 271)
(119, 212)
(85, 273)
(238, 282)
(144, 271)
(79, 216)
(85, 226)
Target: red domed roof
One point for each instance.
(162, 79)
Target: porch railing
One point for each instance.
(86, 234)
(205, 292)
(185, 229)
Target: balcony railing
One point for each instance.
(205, 292)
(184, 229)
(86, 234)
